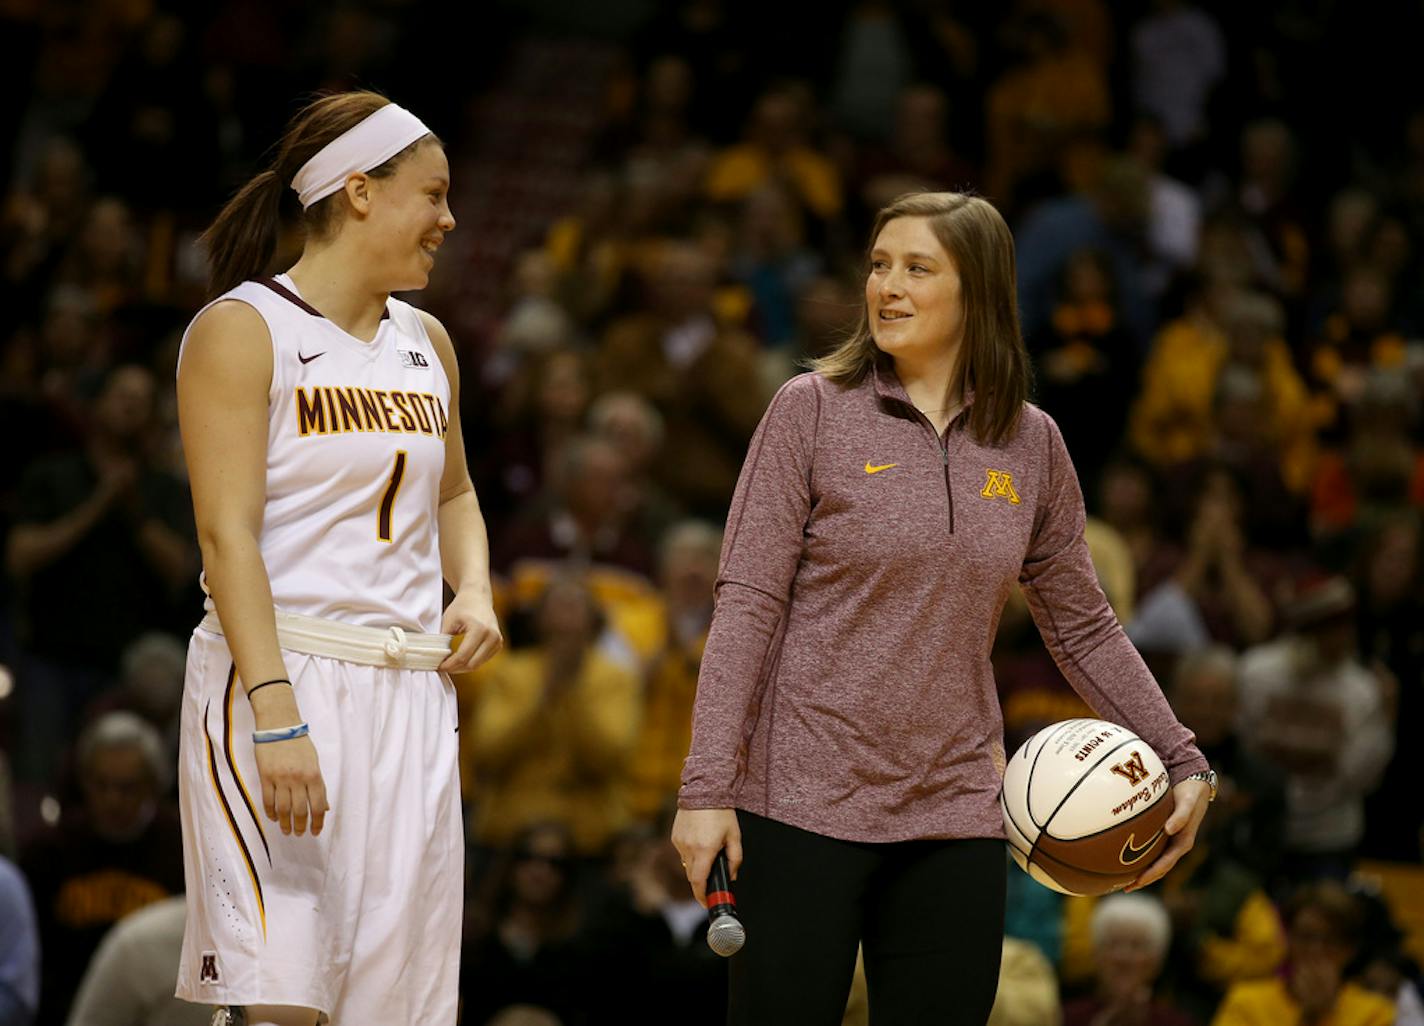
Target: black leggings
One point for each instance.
(929, 915)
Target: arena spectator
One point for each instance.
(1311, 708)
(1324, 921)
(1177, 417)
(1225, 928)
(772, 260)
(541, 409)
(553, 726)
(121, 850)
(631, 424)
(702, 377)
(1111, 216)
(525, 935)
(1041, 112)
(1084, 358)
(40, 221)
(1175, 209)
(1178, 59)
(107, 517)
(19, 949)
(129, 982)
(874, 63)
(658, 932)
(1215, 587)
(580, 516)
(778, 146)
(1028, 988)
(1266, 195)
(917, 154)
(1248, 822)
(687, 575)
(1131, 933)
(1378, 470)
(1389, 580)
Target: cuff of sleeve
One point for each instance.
(1182, 771)
(705, 800)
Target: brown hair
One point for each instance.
(1336, 905)
(243, 237)
(992, 359)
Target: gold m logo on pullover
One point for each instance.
(1000, 486)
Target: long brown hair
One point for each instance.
(992, 360)
(243, 237)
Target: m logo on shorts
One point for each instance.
(208, 971)
(1132, 769)
(1000, 486)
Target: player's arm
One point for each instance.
(464, 543)
(223, 381)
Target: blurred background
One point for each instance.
(663, 210)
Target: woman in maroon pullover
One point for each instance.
(847, 735)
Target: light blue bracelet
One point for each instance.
(263, 737)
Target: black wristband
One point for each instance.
(259, 687)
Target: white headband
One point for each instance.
(369, 144)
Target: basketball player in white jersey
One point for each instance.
(320, 421)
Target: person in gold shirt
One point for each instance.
(552, 727)
(1324, 921)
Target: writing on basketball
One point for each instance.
(1159, 783)
(1093, 742)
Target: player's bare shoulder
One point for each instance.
(229, 339)
(444, 347)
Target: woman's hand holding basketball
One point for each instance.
(698, 835)
(293, 790)
(1191, 797)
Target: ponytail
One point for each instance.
(243, 237)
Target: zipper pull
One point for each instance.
(944, 454)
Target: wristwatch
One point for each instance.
(1209, 776)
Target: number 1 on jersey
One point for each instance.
(388, 501)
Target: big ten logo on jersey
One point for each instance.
(410, 358)
(328, 410)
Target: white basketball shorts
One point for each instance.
(361, 922)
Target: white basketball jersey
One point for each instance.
(355, 451)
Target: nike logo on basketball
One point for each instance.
(1132, 853)
(875, 470)
(313, 356)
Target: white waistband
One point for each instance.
(370, 646)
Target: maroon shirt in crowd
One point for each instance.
(846, 686)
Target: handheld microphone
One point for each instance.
(725, 932)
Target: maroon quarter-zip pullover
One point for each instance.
(846, 686)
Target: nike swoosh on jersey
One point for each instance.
(1132, 853)
(313, 356)
(870, 469)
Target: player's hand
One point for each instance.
(292, 786)
(698, 835)
(1191, 798)
(471, 621)
(293, 790)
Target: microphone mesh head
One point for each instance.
(726, 935)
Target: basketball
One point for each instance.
(1084, 804)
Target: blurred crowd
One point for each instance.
(1219, 214)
